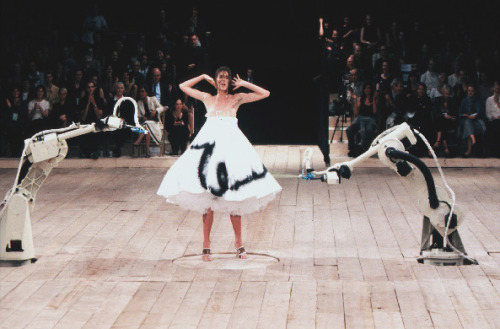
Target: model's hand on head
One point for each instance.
(237, 82)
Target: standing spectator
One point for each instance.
(365, 110)
(38, 112)
(430, 78)
(14, 119)
(493, 116)
(325, 30)
(63, 111)
(348, 34)
(51, 88)
(370, 35)
(446, 111)
(177, 124)
(471, 125)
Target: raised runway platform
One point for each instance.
(113, 254)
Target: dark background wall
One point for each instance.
(278, 39)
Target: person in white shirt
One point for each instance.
(493, 125)
(38, 111)
(430, 77)
(438, 90)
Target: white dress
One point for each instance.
(220, 171)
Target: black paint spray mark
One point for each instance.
(222, 176)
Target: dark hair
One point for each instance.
(363, 95)
(224, 69)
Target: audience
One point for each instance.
(69, 75)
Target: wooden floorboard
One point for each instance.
(110, 254)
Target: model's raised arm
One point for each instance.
(187, 86)
(257, 93)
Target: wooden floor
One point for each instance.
(110, 255)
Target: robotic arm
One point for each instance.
(42, 152)
(441, 243)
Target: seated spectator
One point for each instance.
(51, 89)
(126, 111)
(493, 125)
(471, 124)
(484, 88)
(107, 83)
(437, 91)
(63, 111)
(179, 128)
(38, 112)
(130, 86)
(149, 110)
(446, 111)
(91, 109)
(135, 75)
(76, 88)
(365, 123)
(420, 116)
(430, 78)
(354, 88)
(160, 89)
(394, 105)
(14, 120)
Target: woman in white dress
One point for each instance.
(220, 171)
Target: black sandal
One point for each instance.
(240, 252)
(207, 252)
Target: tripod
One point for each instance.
(339, 109)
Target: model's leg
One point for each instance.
(238, 242)
(208, 219)
(470, 142)
(438, 139)
(138, 141)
